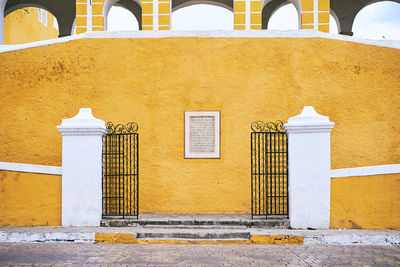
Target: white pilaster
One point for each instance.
(155, 15)
(82, 169)
(309, 169)
(316, 15)
(89, 16)
(247, 14)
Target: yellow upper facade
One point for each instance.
(33, 24)
(156, 14)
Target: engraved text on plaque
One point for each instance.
(202, 134)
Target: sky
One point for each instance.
(376, 21)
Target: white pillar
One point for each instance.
(82, 143)
(309, 169)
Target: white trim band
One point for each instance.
(32, 168)
(206, 34)
(366, 171)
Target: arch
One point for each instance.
(376, 1)
(63, 10)
(200, 17)
(378, 20)
(296, 3)
(8, 11)
(178, 4)
(269, 7)
(346, 11)
(134, 6)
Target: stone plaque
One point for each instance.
(202, 133)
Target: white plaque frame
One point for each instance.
(217, 135)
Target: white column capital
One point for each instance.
(308, 121)
(84, 123)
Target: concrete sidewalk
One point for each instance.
(226, 235)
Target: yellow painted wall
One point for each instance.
(23, 26)
(153, 81)
(368, 202)
(30, 199)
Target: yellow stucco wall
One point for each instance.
(368, 202)
(30, 199)
(153, 81)
(23, 26)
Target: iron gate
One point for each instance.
(121, 170)
(269, 169)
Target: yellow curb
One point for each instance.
(118, 238)
(277, 240)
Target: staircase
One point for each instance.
(196, 228)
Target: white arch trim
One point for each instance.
(296, 3)
(205, 2)
(73, 27)
(336, 20)
(106, 8)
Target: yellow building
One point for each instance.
(29, 25)
(235, 78)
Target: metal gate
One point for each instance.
(269, 170)
(121, 170)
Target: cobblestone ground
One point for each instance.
(61, 254)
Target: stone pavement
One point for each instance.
(61, 254)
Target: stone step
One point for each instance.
(204, 235)
(196, 223)
(182, 226)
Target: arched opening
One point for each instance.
(122, 15)
(29, 24)
(121, 19)
(380, 20)
(284, 18)
(200, 17)
(281, 14)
